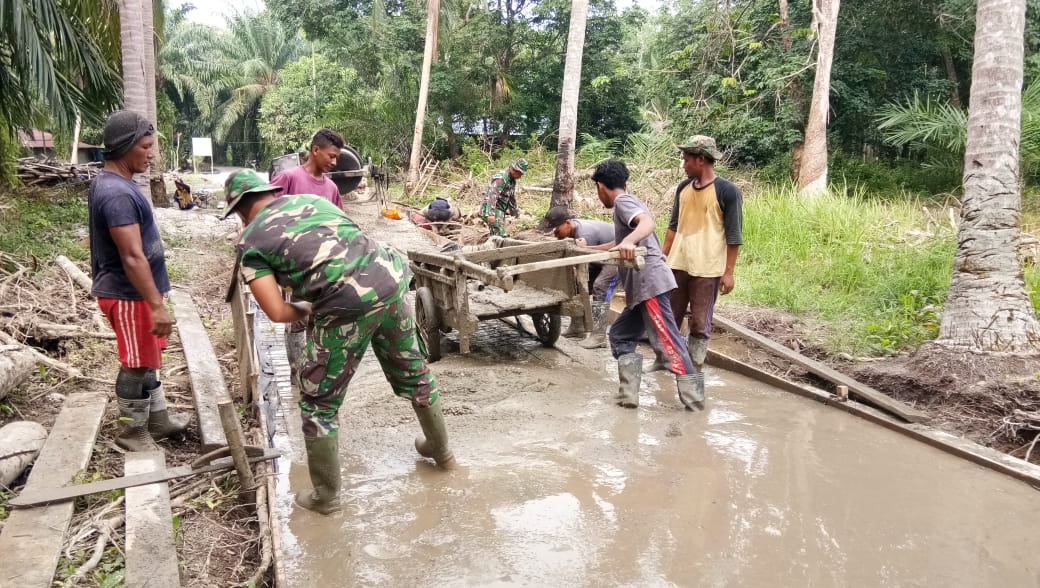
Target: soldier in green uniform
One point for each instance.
(355, 289)
(501, 197)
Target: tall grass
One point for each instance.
(873, 273)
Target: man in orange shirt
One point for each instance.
(703, 240)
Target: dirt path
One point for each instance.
(560, 487)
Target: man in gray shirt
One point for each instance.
(647, 293)
(603, 279)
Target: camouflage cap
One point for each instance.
(241, 183)
(701, 145)
(520, 165)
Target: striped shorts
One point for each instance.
(132, 322)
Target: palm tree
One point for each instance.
(812, 177)
(563, 183)
(938, 129)
(988, 309)
(57, 58)
(433, 8)
(136, 21)
(255, 47)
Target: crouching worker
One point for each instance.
(355, 290)
(647, 294)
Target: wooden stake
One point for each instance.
(233, 432)
(843, 393)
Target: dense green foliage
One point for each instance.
(45, 223)
(58, 59)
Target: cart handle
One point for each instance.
(604, 257)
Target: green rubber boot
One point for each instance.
(433, 443)
(323, 463)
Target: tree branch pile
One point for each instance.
(42, 309)
(35, 172)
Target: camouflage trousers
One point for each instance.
(499, 226)
(335, 350)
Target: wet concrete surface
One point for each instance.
(557, 486)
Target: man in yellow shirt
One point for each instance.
(703, 240)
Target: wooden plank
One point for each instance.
(862, 391)
(243, 344)
(515, 251)
(978, 454)
(32, 538)
(598, 257)
(151, 556)
(207, 381)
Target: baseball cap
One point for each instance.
(520, 165)
(701, 145)
(241, 183)
(556, 216)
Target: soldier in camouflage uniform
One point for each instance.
(501, 197)
(355, 289)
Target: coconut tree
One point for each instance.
(563, 183)
(988, 309)
(812, 177)
(433, 8)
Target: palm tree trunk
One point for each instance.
(138, 49)
(988, 309)
(432, 12)
(812, 178)
(563, 183)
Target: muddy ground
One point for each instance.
(557, 486)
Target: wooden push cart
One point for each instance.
(504, 278)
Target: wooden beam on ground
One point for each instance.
(857, 389)
(17, 363)
(77, 275)
(32, 538)
(207, 381)
(151, 556)
(978, 454)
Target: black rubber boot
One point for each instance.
(630, 375)
(160, 423)
(433, 443)
(323, 464)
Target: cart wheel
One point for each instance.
(547, 327)
(426, 324)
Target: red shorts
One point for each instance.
(132, 322)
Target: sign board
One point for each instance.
(202, 147)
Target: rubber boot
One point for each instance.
(323, 464)
(160, 424)
(576, 328)
(133, 420)
(601, 317)
(433, 443)
(691, 389)
(630, 375)
(661, 362)
(698, 350)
